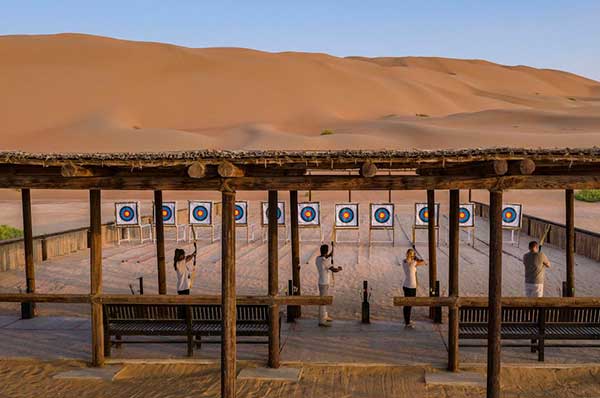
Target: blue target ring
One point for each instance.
(278, 213)
(464, 215)
(509, 215)
(382, 215)
(238, 212)
(424, 214)
(308, 214)
(167, 213)
(346, 215)
(127, 213)
(200, 213)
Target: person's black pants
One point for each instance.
(408, 292)
(184, 292)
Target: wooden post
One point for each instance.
(228, 345)
(570, 238)
(453, 243)
(28, 309)
(273, 281)
(431, 240)
(494, 295)
(295, 250)
(96, 276)
(160, 242)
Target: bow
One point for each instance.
(544, 237)
(193, 276)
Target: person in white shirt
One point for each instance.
(184, 267)
(325, 268)
(409, 265)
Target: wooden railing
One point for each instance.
(587, 243)
(457, 302)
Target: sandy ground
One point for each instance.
(23, 379)
(74, 92)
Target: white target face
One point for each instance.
(466, 215)
(168, 213)
(200, 212)
(511, 216)
(382, 215)
(240, 213)
(309, 213)
(280, 213)
(422, 214)
(346, 215)
(127, 213)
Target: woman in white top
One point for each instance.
(184, 267)
(409, 265)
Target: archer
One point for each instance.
(185, 266)
(326, 269)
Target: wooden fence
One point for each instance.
(65, 242)
(587, 243)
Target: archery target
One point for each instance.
(466, 215)
(382, 215)
(127, 213)
(169, 213)
(422, 214)
(346, 215)
(280, 213)
(309, 213)
(200, 212)
(240, 213)
(511, 216)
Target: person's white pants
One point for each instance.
(534, 290)
(323, 291)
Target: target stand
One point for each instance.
(416, 228)
(200, 215)
(512, 218)
(309, 219)
(466, 221)
(308, 228)
(421, 221)
(169, 215)
(280, 222)
(515, 236)
(382, 219)
(240, 215)
(346, 220)
(127, 217)
(337, 230)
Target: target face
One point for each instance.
(280, 213)
(240, 213)
(200, 212)
(422, 214)
(466, 215)
(169, 213)
(127, 213)
(382, 215)
(309, 213)
(511, 216)
(346, 215)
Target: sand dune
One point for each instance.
(90, 93)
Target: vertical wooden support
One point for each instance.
(295, 250)
(96, 276)
(228, 346)
(273, 281)
(494, 295)
(28, 309)
(453, 243)
(570, 237)
(432, 239)
(160, 243)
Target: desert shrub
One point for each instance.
(327, 132)
(421, 115)
(8, 232)
(588, 195)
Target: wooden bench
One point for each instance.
(179, 320)
(534, 324)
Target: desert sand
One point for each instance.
(25, 379)
(74, 92)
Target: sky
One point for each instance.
(553, 34)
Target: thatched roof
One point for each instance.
(312, 158)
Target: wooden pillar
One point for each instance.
(432, 240)
(160, 243)
(28, 309)
(494, 295)
(453, 244)
(96, 276)
(295, 250)
(228, 346)
(570, 238)
(273, 281)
